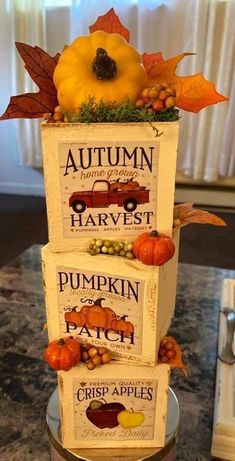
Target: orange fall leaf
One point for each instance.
(193, 92)
(185, 214)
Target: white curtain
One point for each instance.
(205, 27)
(28, 24)
(24, 21)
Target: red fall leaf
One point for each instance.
(111, 24)
(193, 92)
(29, 105)
(40, 67)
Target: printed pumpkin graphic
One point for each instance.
(95, 316)
(121, 324)
(78, 318)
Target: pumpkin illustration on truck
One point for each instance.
(126, 194)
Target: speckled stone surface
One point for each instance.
(27, 383)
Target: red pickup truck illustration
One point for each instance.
(126, 194)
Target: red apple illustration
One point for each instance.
(104, 415)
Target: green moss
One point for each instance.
(92, 112)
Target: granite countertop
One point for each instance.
(27, 382)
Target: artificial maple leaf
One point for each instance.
(40, 67)
(193, 92)
(177, 360)
(151, 58)
(110, 23)
(29, 105)
(185, 214)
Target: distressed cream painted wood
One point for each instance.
(145, 294)
(167, 290)
(153, 166)
(136, 418)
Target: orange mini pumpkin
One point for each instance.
(120, 324)
(153, 249)
(78, 318)
(63, 354)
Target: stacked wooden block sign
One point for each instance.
(110, 182)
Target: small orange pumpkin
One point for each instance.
(96, 315)
(153, 249)
(63, 354)
(120, 324)
(78, 318)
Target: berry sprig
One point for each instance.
(111, 247)
(167, 351)
(95, 356)
(56, 116)
(171, 353)
(157, 98)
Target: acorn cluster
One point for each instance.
(157, 97)
(95, 356)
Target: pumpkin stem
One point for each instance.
(98, 302)
(154, 233)
(103, 66)
(74, 308)
(124, 317)
(61, 342)
(89, 301)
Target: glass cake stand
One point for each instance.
(58, 453)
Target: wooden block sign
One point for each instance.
(110, 301)
(118, 179)
(115, 405)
